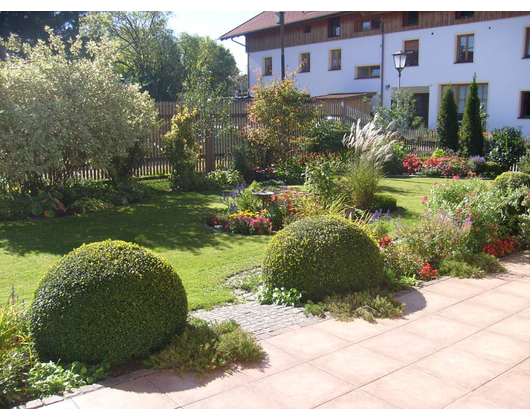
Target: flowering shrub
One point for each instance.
(485, 207)
(248, 214)
(412, 164)
(446, 166)
(427, 272)
(500, 248)
(248, 223)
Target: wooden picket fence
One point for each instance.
(218, 150)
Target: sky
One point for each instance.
(214, 24)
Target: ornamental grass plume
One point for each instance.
(371, 141)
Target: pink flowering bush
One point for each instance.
(446, 166)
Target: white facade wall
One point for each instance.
(498, 52)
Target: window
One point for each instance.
(267, 66)
(410, 18)
(307, 29)
(334, 27)
(335, 62)
(461, 92)
(367, 72)
(525, 105)
(305, 60)
(466, 47)
(368, 25)
(464, 15)
(527, 44)
(412, 48)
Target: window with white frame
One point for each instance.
(335, 60)
(267, 66)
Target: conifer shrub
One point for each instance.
(322, 256)
(107, 301)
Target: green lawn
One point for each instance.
(171, 225)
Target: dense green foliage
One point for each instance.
(472, 138)
(203, 348)
(506, 147)
(448, 125)
(109, 300)
(322, 256)
(62, 110)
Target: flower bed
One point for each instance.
(248, 214)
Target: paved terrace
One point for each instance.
(463, 343)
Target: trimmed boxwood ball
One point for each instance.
(323, 255)
(110, 300)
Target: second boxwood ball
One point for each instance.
(323, 255)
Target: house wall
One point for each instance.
(498, 52)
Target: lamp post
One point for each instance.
(280, 20)
(400, 61)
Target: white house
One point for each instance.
(351, 52)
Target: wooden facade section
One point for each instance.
(351, 24)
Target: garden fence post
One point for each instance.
(209, 152)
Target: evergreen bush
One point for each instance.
(321, 256)
(107, 301)
(448, 121)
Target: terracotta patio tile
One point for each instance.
(440, 329)
(474, 314)
(303, 386)
(357, 399)
(475, 401)
(456, 289)
(524, 366)
(496, 347)
(516, 288)
(357, 365)
(401, 346)
(275, 361)
(517, 327)
(412, 388)
(511, 389)
(503, 301)
(189, 389)
(355, 331)
(137, 394)
(422, 302)
(308, 343)
(460, 368)
(242, 397)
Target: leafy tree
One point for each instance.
(182, 149)
(146, 52)
(31, 26)
(280, 114)
(203, 56)
(61, 111)
(401, 113)
(448, 126)
(472, 138)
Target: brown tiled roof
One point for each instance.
(268, 20)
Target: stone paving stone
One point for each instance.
(511, 389)
(357, 399)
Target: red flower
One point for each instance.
(427, 272)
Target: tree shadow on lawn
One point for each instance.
(172, 221)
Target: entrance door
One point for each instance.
(422, 107)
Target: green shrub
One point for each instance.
(223, 179)
(490, 170)
(506, 147)
(385, 202)
(12, 206)
(321, 256)
(108, 300)
(512, 180)
(524, 163)
(202, 348)
(470, 265)
(328, 135)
